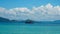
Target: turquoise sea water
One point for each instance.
(29, 29)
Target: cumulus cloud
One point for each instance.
(43, 12)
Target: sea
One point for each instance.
(29, 28)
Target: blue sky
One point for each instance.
(26, 3)
(30, 9)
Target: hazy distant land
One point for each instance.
(32, 22)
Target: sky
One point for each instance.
(26, 3)
(30, 9)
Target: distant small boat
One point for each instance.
(28, 21)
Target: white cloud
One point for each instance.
(43, 12)
(49, 6)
